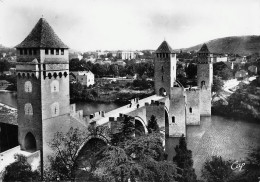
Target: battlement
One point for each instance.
(191, 89)
(155, 103)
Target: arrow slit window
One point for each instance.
(55, 109)
(55, 86)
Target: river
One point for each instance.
(229, 138)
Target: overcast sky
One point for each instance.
(130, 24)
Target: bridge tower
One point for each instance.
(165, 69)
(205, 79)
(166, 85)
(42, 87)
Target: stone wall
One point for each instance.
(193, 107)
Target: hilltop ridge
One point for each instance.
(242, 45)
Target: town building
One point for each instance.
(84, 77)
(126, 55)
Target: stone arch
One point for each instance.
(30, 142)
(60, 74)
(49, 75)
(202, 83)
(55, 75)
(162, 92)
(87, 150)
(140, 127)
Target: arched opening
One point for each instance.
(49, 75)
(30, 142)
(162, 92)
(202, 83)
(139, 128)
(86, 159)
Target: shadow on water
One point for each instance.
(229, 138)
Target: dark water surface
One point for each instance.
(229, 138)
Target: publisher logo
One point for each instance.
(237, 165)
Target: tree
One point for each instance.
(63, 163)
(183, 159)
(20, 170)
(124, 132)
(191, 70)
(153, 125)
(138, 159)
(217, 84)
(217, 170)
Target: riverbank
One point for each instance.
(244, 103)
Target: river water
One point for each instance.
(229, 138)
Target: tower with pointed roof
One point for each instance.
(165, 69)
(42, 87)
(205, 79)
(167, 86)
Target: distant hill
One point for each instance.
(242, 45)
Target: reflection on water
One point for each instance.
(229, 138)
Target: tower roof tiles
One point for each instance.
(42, 36)
(164, 48)
(204, 49)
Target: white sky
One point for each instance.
(130, 24)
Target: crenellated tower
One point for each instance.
(167, 86)
(205, 79)
(42, 87)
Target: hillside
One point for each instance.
(242, 45)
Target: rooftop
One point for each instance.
(42, 36)
(204, 49)
(164, 48)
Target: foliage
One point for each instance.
(63, 162)
(221, 70)
(4, 65)
(101, 70)
(191, 71)
(124, 132)
(217, 170)
(142, 84)
(20, 170)
(153, 125)
(138, 159)
(183, 159)
(217, 84)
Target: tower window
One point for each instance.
(21, 51)
(25, 51)
(173, 119)
(55, 110)
(28, 86)
(57, 51)
(162, 78)
(52, 51)
(55, 86)
(62, 51)
(46, 51)
(30, 51)
(190, 110)
(34, 52)
(28, 110)
(162, 69)
(202, 83)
